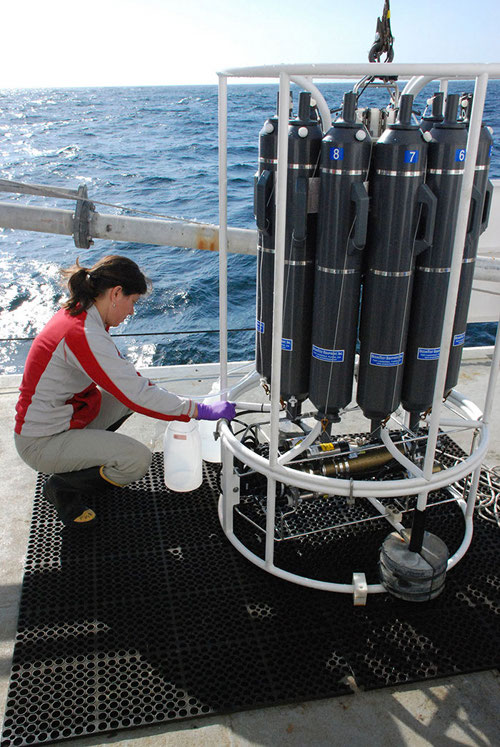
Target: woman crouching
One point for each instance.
(77, 390)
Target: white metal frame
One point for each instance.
(422, 481)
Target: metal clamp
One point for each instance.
(81, 219)
(384, 39)
(360, 589)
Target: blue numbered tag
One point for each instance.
(411, 156)
(329, 356)
(460, 154)
(428, 354)
(286, 344)
(336, 154)
(378, 359)
(259, 326)
(459, 339)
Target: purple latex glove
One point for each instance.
(216, 411)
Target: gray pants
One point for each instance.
(123, 458)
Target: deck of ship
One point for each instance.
(458, 710)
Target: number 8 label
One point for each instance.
(336, 154)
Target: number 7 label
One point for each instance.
(411, 156)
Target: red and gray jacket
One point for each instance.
(68, 359)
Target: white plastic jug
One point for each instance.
(210, 447)
(182, 456)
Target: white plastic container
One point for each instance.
(182, 456)
(210, 447)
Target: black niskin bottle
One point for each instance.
(304, 142)
(397, 194)
(342, 226)
(265, 215)
(482, 192)
(445, 166)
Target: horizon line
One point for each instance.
(231, 82)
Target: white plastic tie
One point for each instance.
(360, 589)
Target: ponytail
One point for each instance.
(87, 284)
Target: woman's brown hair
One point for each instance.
(86, 284)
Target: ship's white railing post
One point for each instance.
(223, 229)
(279, 274)
(227, 458)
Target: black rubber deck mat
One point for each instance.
(154, 616)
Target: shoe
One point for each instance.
(64, 490)
(68, 503)
(87, 481)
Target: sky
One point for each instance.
(61, 43)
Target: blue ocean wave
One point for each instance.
(153, 149)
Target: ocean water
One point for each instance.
(151, 149)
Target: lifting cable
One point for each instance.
(42, 190)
